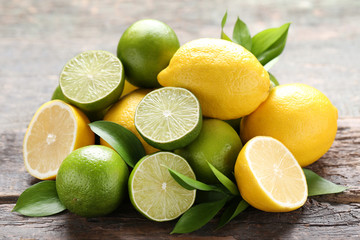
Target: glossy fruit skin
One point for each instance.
(299, 116)
(217, 143)
(92, 181)
(123, 113)
(145, 48)
(227, 79)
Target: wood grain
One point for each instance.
(323, 217)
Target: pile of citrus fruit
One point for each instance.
(209, 103)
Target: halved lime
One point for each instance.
(154, 193)
(92, 80)
(169, 118)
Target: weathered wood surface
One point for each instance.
(334, 216)
(38, 37)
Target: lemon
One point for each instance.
(219, 144)
(123, 113)
(55, 130)
(145, 48)
(227, 79)
(154, 192)
(169, 118)
(128, 87)
(92, 80)
(299, 116)
(268, 176)
(92, 181)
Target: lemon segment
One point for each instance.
(154, 193)
(56, 129)
(269, 177)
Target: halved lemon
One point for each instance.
(56, 129)
(269, 177)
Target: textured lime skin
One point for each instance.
(145, 48)
(92, 181)
(217, 143)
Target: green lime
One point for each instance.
(92, 80)
(59, 95)
(234, 123)
(92, 181)
(217, 143)
(169, 118)
(145, 48)
(153, 191)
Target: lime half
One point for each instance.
(169, 118)
(154, 193)
(92, 80)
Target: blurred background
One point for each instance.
(38, 37)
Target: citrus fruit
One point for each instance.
(153, 191)
(123, 113)
(227, 79)
(59, 95)
(219, 144)
(299, 116)
(268, 176)
(92, 80)
(55, 130)
(169, 118)
(128, 87)
(145, 48)
(92, 181)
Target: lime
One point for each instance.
(145, 48)
(218, 144)
(59, 95)
(154, 193)
(92, 80)
(92, 181)
(169, 118)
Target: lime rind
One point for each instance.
(92, 80)
(169, 118)
(152, 190)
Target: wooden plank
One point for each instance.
(330, 216)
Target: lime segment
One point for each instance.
(169, 118)
(154, 193)
(92, 80)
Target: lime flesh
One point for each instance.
(169, 118)
(154, 193)
(92, 80)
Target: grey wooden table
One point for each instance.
(38, 37)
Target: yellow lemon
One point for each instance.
(128, 87)
(227, 79)
(123, 113)
(56, 130)
(299, 116)
(268, 176)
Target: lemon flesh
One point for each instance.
(268, 176)
(154, 193)
(56, 130)
(169, 118)
(92, 80)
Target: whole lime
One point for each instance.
(219, 144)
(145, 48)
(92, 181)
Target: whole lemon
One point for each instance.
(92, 181)
(145, 48)
(227, 79)
(299, 116)
(123, 113)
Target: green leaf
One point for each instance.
(273, 79)
(270, 43)
(191, 184)
(224, 180)
(197, 216)
(223, 35)
(235, 208)
(241, 34)
(320, 186)
(39, 200)
(121, 139)
(270, 64)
